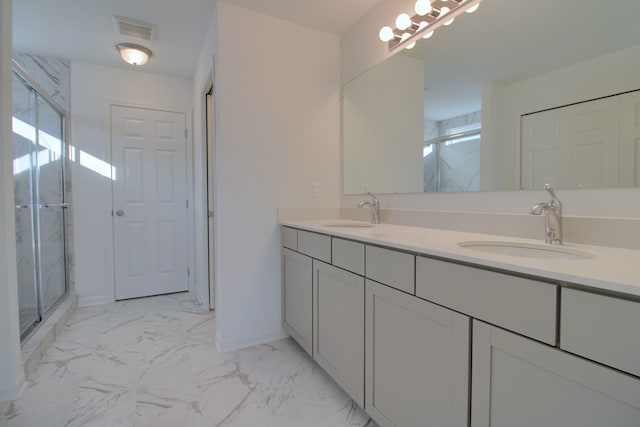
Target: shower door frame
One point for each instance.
(35, 217)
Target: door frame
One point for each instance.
(204, 84)
(210, 199)
(189, 190)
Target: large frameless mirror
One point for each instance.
(509, 97)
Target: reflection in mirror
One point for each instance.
(507, 98)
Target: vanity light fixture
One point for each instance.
(429, 15)
(133, 54)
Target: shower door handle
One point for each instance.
(119, 212)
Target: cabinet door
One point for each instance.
(297, 298)
(339, 327)
(417, 361)
(519, 382)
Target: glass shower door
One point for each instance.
(50, 205)
(24, 138)
(39, 193)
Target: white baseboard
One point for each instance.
(224, 346)
(97, 300)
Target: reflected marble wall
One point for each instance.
(463, 120)
(458, 164)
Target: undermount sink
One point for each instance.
(349, 225)
(526, 250)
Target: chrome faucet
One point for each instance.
(374, 205)
(553, 217)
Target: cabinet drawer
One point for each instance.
(392, 268)
(290, 238)
(601, 328)
(315, 245)
(348, 255)
(522, 305)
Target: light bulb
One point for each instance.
(449, 22)
(423, 24)
(403, 21)
(423, 7)
(428, 35)
(410, 45)
(473, 8)
(386, 34)
(444, 11)
(404, 37)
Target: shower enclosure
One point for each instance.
(40, 202)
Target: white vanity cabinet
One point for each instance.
(420, 341)
(338, 325)
(520, 382)
(417, 361)
(297, 297)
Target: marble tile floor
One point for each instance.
(152, 362)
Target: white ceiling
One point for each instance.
(332, 16)
(82, 30)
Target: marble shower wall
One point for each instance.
(53, 75)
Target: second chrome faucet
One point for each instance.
(553, 217)
(374, 206)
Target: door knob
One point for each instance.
(119, 212)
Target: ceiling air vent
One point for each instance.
(134, 28)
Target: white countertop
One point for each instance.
(610, 269)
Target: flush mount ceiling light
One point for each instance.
(133, 54)
(429, 15)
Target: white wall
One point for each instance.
(277, 130)
(361, 49)
(385, 128)
(11, 372)
(92, 89)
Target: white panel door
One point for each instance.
(572, 147)
(149, 201)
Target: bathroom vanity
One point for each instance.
(425, 327)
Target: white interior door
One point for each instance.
(572, 147)
(149, 201)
